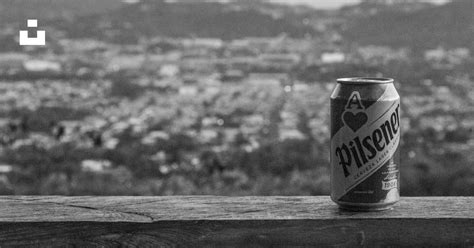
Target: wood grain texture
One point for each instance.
(211, 221)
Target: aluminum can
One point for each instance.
(365, 138)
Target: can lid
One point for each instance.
(365, 80)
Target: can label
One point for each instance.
(365, 138)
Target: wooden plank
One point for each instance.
(231, 221)
(150, 209)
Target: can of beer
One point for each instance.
(365, 137)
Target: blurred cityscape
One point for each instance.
(225, 98)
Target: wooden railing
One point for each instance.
(210, 221)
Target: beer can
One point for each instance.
(365, 138)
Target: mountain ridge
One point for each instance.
(449, 25)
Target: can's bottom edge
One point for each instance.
(366, 208)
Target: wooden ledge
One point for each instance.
(231, 221)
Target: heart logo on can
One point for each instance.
(354, 117)
(354, 121)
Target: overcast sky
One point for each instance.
(329, 4)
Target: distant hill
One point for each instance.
(183, 19)
(20, 10)
(449, 25)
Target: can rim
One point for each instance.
(365, 80)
